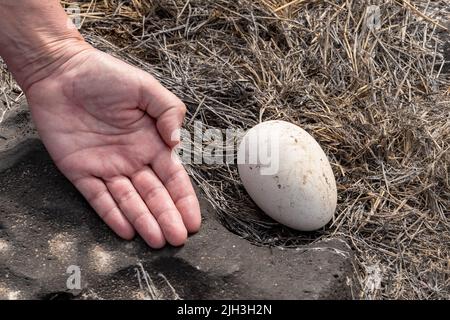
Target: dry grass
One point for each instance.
(376, 100)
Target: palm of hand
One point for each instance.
(107, 126)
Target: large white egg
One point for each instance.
(287, 174)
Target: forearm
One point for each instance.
(36, 37)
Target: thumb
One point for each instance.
(166, 109)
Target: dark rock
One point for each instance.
(46, 226)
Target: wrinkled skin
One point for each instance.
(110, 127)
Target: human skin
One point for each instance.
(109, 127)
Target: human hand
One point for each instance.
(109, 128)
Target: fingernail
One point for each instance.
(175, 137)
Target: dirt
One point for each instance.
(46, 227)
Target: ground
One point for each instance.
(48, 232)
(376, 99)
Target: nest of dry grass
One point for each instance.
(377, 100)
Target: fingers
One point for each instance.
(177, 182)
(98, 196)
(166, 108)
(161, 205)
(136, 211)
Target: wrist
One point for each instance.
(36, 38)
(47, 60)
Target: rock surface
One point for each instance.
(46, 227)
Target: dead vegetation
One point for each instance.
(376, 99)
